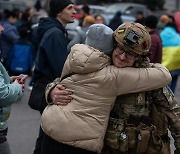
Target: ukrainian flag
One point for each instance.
(171, 58)
(171, 48)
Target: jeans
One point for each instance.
(4, 148)
(175, 74)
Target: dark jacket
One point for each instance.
(52, 51)
(156, 47)
(9, 35)
(115, 21)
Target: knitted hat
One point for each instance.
(57, 6)
(100, 36)
(151, 21)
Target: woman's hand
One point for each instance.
(13, 78)
(60, 96)
(21, 78)
(21, 83)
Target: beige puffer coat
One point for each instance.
(82, 123)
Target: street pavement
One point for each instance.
(24, 125)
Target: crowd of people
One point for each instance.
(105, 91)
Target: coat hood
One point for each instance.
(85, 59)
(47, 23)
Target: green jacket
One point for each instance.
(9, 93)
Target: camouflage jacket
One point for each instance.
(166, 102)
(137, 108)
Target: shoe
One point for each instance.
(30, 88)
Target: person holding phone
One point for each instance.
(11, 90)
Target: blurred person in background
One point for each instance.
(163, 20)
(115, 21)
(171, 50)
(39, 12)
(99, 19)
(81, 32)
(9, 35)
(11, 92)
(172, 22)
(51, 55)
(156, 43)
(26, 22)
(140, 17)
(19, 16)
(85, 11)
(177, 20)
(20, 59)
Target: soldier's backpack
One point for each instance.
(20, 58)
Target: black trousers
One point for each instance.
(39, 141)
(50, 146)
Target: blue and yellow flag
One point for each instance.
(171, 57)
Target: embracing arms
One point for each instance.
(132, 80)
(129, 80)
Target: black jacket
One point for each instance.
(52, 51)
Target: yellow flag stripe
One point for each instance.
(171, 58)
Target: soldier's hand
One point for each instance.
(60, 96)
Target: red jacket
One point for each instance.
(156, 47)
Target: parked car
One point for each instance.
(10, 5)
(95, 9)
(127, 8)
(128, 11)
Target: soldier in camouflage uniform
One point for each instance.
(139, 122)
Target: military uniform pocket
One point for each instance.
(144, 134)
(132, 136)
(123, 142)
(112, 139)
(115, 127)
(155, 145)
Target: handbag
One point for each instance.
(37, 99)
